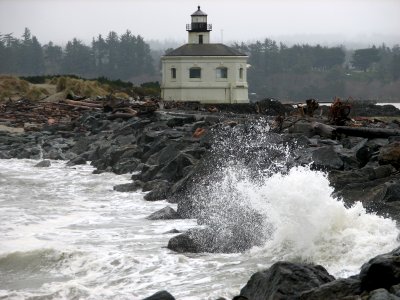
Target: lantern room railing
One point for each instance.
(198, 27)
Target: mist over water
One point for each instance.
(65, 233)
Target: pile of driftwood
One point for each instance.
(26, 113)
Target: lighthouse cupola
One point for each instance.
(199, 29)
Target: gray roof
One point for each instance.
(205, 50)
(198, 12)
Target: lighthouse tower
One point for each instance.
(202, 71)
(199, 30)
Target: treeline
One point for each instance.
(303, 71)
(278, 71)
(115, 57)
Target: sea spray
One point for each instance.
(253, 194)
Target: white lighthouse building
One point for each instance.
(202, 71)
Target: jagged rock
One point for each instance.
(76, 161)
(364, 154)
(159, 192)
(81, 145)
(327, 158)
(166, 213)
(284, 280)
(380, 195)
(174, 170)
(172, 231)
(272, 107)
(149, 172)
(179, 121)
(390, 154)
(162, 295)
(382, 294)
(43, 164)
(395, 289)
(128, 187)
(185, 242)
(382, 271)
(340, 179)
(151, 185)
(230, 239)
(125, 165)
(337, 289)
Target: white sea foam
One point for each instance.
(65, 233)
(310, 225)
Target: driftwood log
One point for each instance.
(83, 103)
(366, 132)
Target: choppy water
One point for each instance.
(65, 234)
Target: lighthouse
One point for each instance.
(199, 29)
(203, 71)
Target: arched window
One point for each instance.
(173, 73)
(195, 72)
(241, 73)
(222, 72)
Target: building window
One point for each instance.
(222, 72)
(195, 73)
(173, 73)
(200, 39)
(241, 73)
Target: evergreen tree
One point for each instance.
(53, 56)
(78, 59)
(364, 58)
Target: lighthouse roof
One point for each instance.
(198, 12)
(205, 50)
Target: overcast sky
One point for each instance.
(323, 21)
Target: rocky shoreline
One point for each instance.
(171, 152)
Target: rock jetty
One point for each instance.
(170, 151)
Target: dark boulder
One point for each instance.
(272, 107)
(284, 280)
(185, 242)
(364, 154)
(180, 121)
(159, 192)
(79, 160)
(383, 271)
(382, 294)
(128, 187)
(395, 289)
(380, 195)
(340, 179)
(326, 158)
(175, 169)
(162, 295)
(390, 154)
(367, 109)
(43, 164)
(166, 213)
(149, 172)
(151, 185)
(81, 145)
(215, 240)
(337, 289)
(125, 165)
(172, 231)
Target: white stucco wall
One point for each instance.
(208, 88)
(193, 37)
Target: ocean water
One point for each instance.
(65, 234)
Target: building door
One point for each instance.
(200, 39)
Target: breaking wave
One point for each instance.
(287, 212)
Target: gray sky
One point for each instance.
(323, 21)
